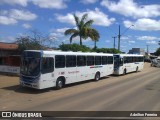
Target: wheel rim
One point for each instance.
(97, 77)
(60, 84)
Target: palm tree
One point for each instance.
(83, 30)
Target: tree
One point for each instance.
(107, 50)
(34, 41)
(158, 52)
(74, 48)
(83, 30)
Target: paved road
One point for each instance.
(132, 92)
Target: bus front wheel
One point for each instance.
(59, 83)
(124, 72)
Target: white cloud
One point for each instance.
(27, 26)
(131, 41)
(98, 16)
(62, 30)
(107, 41)
(131, 8)
(56, 4)
(147, 38)
(22, 15)
(143, 24)
(12, 16)
(124, 38)
(7, 21)
(88, 1)
(8, 39)
(15, 2)
(151, 42)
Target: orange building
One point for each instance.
(9, 54)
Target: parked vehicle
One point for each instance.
(125, 63)
(44, 69)
(155, 62)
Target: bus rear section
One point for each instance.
(126, 63)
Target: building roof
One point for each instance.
(8, 46)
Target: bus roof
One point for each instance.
(56, 52)
(122, 55)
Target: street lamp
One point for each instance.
(119, 35)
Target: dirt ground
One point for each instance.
(15, 97)
(8, 83)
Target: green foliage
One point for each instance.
(74, 48)
(106, 50)
(83, 30)
(26, 43)
(83, 48)
(158, 52)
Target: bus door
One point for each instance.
(47, 69)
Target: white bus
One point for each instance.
(44, 69)
(125, 63)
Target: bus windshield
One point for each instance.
(117, 61)
(30, 66)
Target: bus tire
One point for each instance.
(97, 76)
(124, 72)
(137, 69)
(59, 83)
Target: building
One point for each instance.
(9, 58)
(137, 51)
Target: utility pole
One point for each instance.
(114, 44)
(147, 50)
(119, 35)
(119, 38)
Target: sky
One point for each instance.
(139, 21)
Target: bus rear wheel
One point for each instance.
(97, 76)
(59, 83)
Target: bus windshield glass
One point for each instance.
(118, 61)
(30, 65)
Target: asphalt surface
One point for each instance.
(133, 92)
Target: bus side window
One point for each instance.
(59, 61)
(70, 61)
(97, 60)
(104, 60)
(110, 59)
(47, 65)
(81, 60)
(90, 60)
